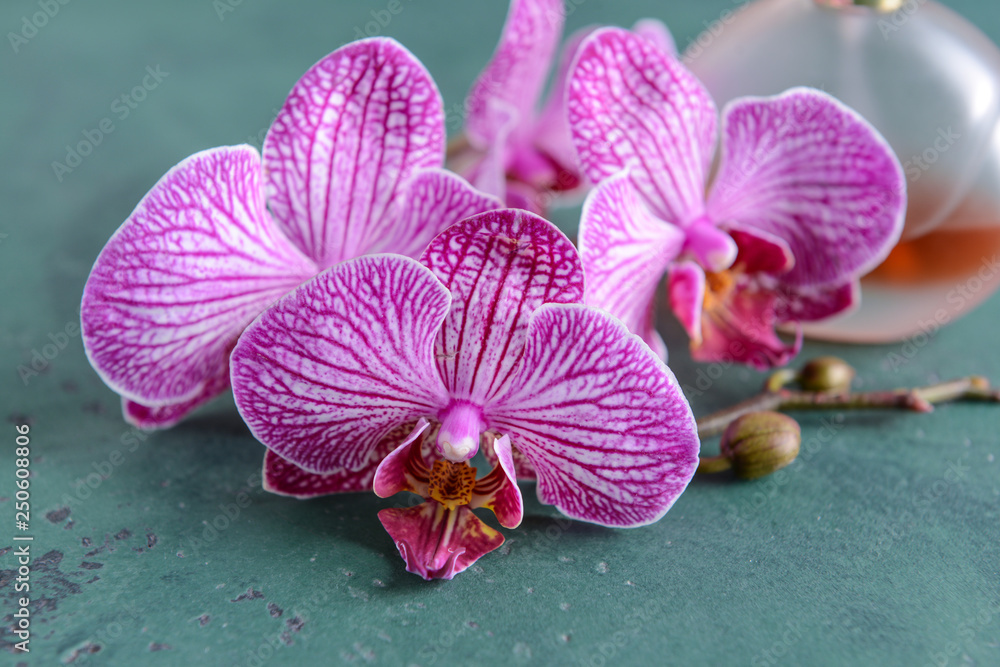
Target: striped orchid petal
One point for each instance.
(498, 490)
(632, 106)
(811, 303)
(812, 172)
(405, 467)
(437, 542)
(626, 250)
(353, 131)
(686, 289)
(499, 267)
(327, 372)
(164, 416)
(285, 478)
(552, 132)
(197, 260)
(658, 34)
(508, 89)
(434, 200)
(602, 420)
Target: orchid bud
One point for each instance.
(760, 443)
(826, 374)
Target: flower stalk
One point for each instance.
(776, 397)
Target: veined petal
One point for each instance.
(433, 201)
(686, 288)
(287, 479)
(513, 79)
(498, 490)
(552, 133)
(811, 171)
(438, 543)
(489, 172)
(405, 467)
(352, 132)
(811, 303)
(632, 106)
(327, 372)
(500, 267)
(601, 419)
(149, 417)
(658, 34)
(197, 260)
(522, 466)
(625, 251)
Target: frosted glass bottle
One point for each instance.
(930, 82)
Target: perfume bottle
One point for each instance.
(930, 82)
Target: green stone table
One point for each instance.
(878, 546)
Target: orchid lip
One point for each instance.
(461, 424)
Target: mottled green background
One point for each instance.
(879, 546)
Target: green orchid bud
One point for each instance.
(828, 374)
(760, 443)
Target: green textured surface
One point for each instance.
(879, 546)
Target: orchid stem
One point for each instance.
(713, 464)
(774, 397)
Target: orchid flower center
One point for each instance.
(714, 249)
(451, 484)
(461, 424)
(718, 285)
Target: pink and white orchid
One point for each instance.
(388, 372)
(509, 148)
(806, 197)
(351, 165)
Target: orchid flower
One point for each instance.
(351, 165)
(390, 373)
(508, 148)
(806, 197)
